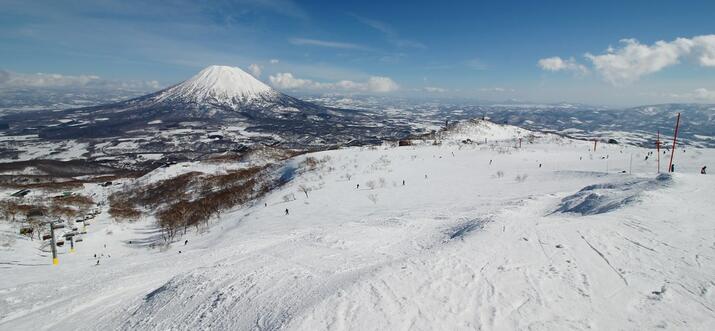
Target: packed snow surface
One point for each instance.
(471, 240)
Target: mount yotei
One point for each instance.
(218, 95)
(219, 109)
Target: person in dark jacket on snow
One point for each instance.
(702, 170)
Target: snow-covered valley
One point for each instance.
(450, 236)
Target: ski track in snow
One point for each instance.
(457, 249)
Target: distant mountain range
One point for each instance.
(226, 110)
(636, 125)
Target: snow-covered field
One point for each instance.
(470, 241)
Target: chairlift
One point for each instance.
(74, 228)
(46, 237)
(60, 243)
(83, 232)
(78, 240)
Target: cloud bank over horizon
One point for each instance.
(9, 79)
(374, 84)
(632, 60)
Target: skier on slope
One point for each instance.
(286, 211)
(702, 170)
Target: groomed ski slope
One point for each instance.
(458, 247)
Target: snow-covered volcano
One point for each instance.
(218, 90)
(219, 85)
(216, 97)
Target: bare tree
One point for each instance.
(288, 197)
(305, 189)
(9, 209)
(371, 184)
(521, 178)
(372, 197)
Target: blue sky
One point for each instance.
(550, 51)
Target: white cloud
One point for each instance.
(495, 89)
(273, 61)
(704, 94)
(632, 60)
(381, 84)
(391, 35)
(558, 64)
(705, 50)
(255, 70)
(325, 43)
(434, 89)
(285, 80)
(699, 94)
(348, 85)
(476, 64)
(10, 79)
(374, 84)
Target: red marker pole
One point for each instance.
(675, 138)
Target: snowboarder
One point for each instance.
(672, 167)
(702, 170)
(403, 181)
(357, 187)
(97, 262)
(490, 162)
(286, 211)
(539, 165)
(186, 242)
